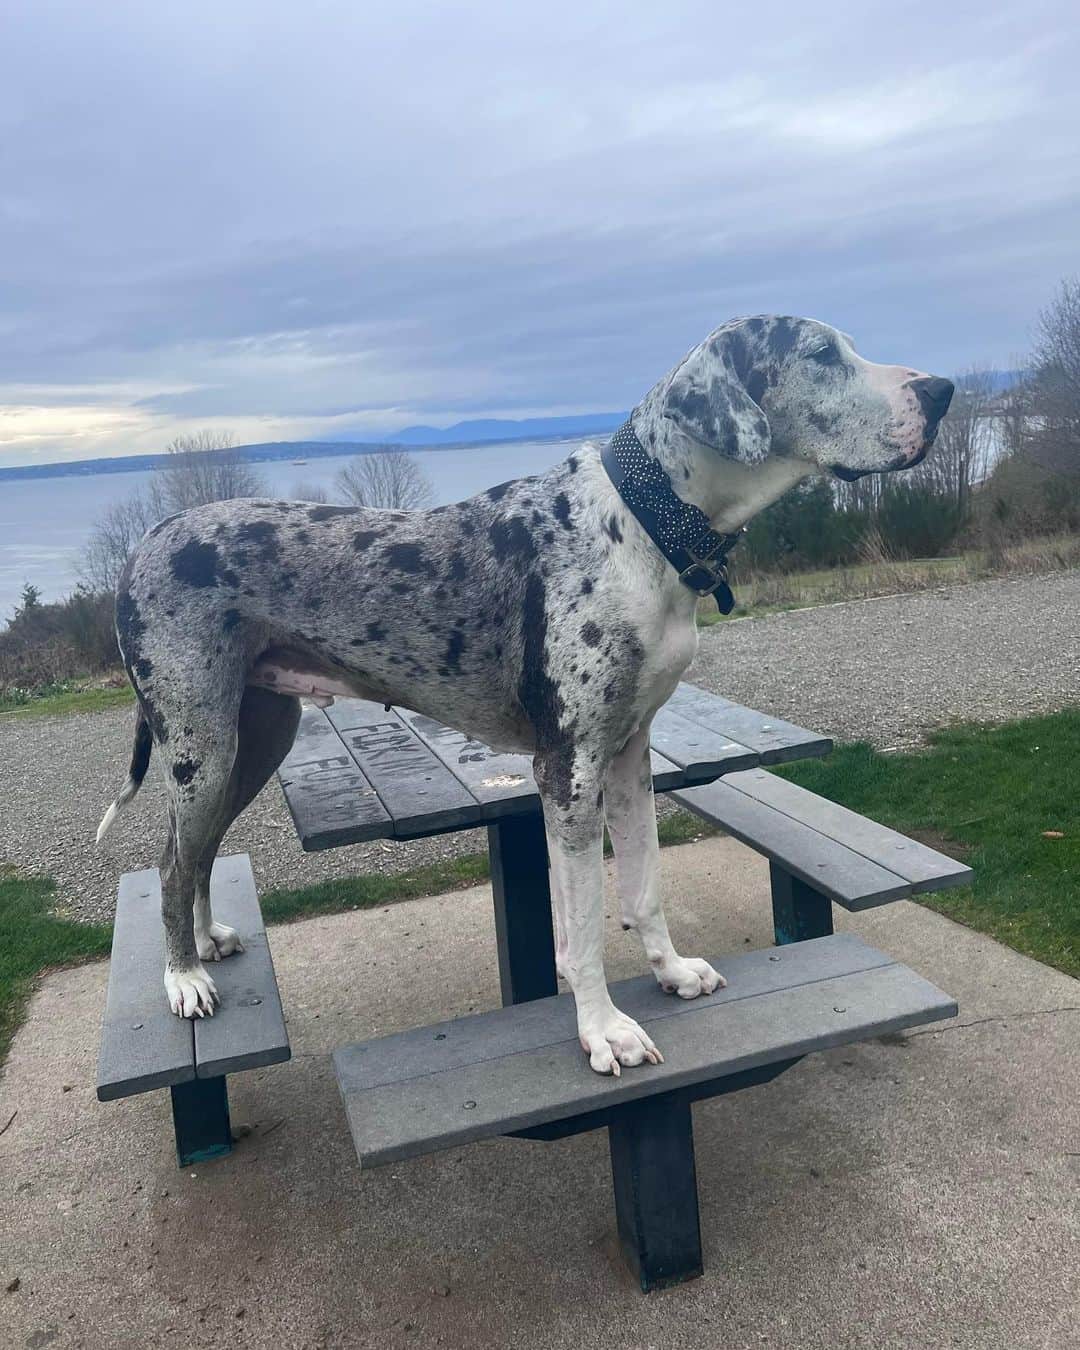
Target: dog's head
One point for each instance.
(777, 386)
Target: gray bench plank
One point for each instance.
(329, 798)
(703, 751)
(250, 1030)
(522, 1066)
(925, 868)
(775, 740)
(842, 874)
(500, 783)
(143, 1045)
(419, 791)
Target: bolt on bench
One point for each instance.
(358, 772)
(144, 1046)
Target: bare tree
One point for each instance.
(391, 479)
(1055, 425)
(204, 467)
(114, 535)
(964, 450)
(309, 492)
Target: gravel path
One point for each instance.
(881, 670)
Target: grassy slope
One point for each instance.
(988, 795)
(57, 702)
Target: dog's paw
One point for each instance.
(613, 1039)
(219, 942)
(688, 976)
(191, 993)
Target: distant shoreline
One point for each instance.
(272, 451)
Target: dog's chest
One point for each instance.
(669, 650)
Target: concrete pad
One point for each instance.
(919, 1192)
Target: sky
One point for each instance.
(330, 220)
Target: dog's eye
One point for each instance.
(826, 355)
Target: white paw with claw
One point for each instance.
(688, 976)
(219, 942)
(191, 992)
(611, 1039)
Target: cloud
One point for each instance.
(337, 219)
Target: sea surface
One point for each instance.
(45, 523)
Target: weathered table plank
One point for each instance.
(143, 1045)
(455, 1082)
(703, 753)
(497, 781)
(420, 793)
(251, 1032)
(359, 772)
(774, 740)
(329, 798)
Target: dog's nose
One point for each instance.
(934, 395)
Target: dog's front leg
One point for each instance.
(631, 822)
(573, 819)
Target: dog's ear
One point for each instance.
(708, 398)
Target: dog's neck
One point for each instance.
(729, 493)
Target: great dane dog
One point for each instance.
(541, 617)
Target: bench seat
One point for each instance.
(520, 1071)
(144, 1046)
(493, 1073)
(818, 850)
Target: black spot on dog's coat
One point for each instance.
(586, 587)
(406, 557)
(363, 539)
(510, 540)
(454, 648)
(781, 339)
(562, 511)
(264, 535)
(184, 770)
(317, 513)
(611, 529)
(195, 564)
(572, 464)
(375, 631)
(232, 618)
(498, 493)
(591, 633)
(457, 570)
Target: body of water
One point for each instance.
(44, 523)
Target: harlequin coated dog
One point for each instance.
(551, 615)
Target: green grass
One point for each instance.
(33, 938)
(994, 797)
(61, 699)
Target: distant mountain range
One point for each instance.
(505, 429)
(482, 431)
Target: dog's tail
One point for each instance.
(140, 761)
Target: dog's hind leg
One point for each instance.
(265, 732)
(573, 820)
(631, 822)
(196, 736)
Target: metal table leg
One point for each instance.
(201, 1120)
(656, 1204)
(799, 912)
(523, 928)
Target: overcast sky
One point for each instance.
(329, 220)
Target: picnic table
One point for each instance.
(359, 772)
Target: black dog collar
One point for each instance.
(679, 530)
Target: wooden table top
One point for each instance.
(357, 772)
